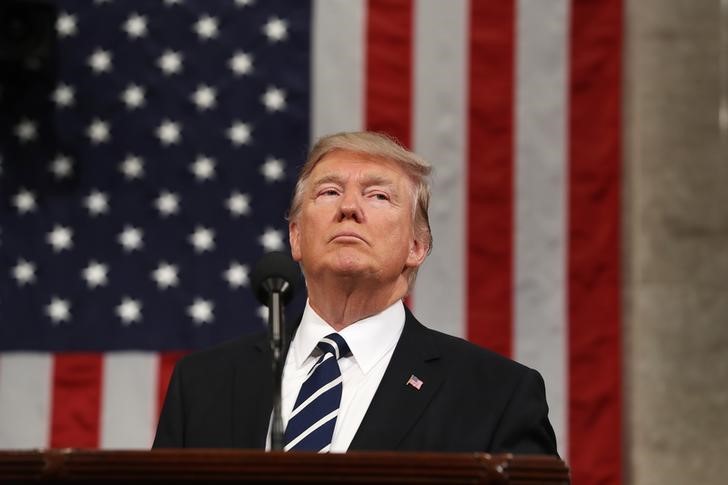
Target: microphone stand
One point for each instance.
(277, 337)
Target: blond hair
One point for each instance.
(382, 146)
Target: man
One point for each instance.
(361, 372)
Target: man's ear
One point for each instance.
(417, 253)
(294, 238)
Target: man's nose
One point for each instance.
(350, 207)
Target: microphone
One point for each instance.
(274, 282)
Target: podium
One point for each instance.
(234, 466)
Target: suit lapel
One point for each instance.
(397, 406)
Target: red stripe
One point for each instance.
(76, 400)
(167, 361)
(389, 68)
(490, 177)
(594, 263)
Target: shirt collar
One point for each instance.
(369, 339)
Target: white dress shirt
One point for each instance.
(371, 340)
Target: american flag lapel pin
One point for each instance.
(415, 382)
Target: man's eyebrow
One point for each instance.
(367, 181)
(330, 178)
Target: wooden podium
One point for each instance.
(233, 466)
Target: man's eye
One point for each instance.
(381, 196)
(329, 192)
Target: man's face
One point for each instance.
(356, 219)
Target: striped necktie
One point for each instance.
(312, 421)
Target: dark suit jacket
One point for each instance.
(471, 399)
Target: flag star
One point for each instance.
(24, 201)
(63, 96)
(203, 239)
(165, 275)
(276, 29)
(263, 312)
(60, 238)
(241, 63)
(167, 203)
(129, 310)
(243, 3)
(272, 240)
(24, 272)
(131, 238)
(204, 97)
(170, 3)
(238, 204)
(61, 166)
(272, 169)
(132, 167)
(236, 275)
(201, 311)
(98, 131)
(135, 26)
(274, 99)
(100, 61)
(239, 133)
(59, 310)
(168, 132)
(206, 27)
(95, 274)
(133, 96)
(97, 203)
(26, 130)
(170, 62)
(203, 168)
(66, 25)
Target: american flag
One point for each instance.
(148, 162)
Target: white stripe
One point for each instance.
(333, 344)
(26, 380)
(439, 134)
(128, 401)
(311, 429)
(325, 449)
(540, 331)
(337, 77)
(316, 394)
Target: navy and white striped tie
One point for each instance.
(312, 421)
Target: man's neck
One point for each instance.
(342, 303)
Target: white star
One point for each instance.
(98, 131)
(276, 29)
(59, 310)
(24, 201)
(272, 240)
(129, 310)
(26, 130)
(60, 238)
(95, 274)
(239, 133)
(203, 239)
(272, 169)
(136, 26)
(263, 312)
(167, 203)
(66, 25)
(131, 238)
(206, 27)
(97, 203)
(168, 132)
(165, 275)
(133, 96)
(243, 3)
(274, 99)
(170, 3)
(63, 95)
(100, 61)
(203, 168)
(236, 275)
(24, 272)
(132, 167)
(61, 166)
(241, 63)
(238, 204)
(170, 62)
(201, 311)
(204, 97)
